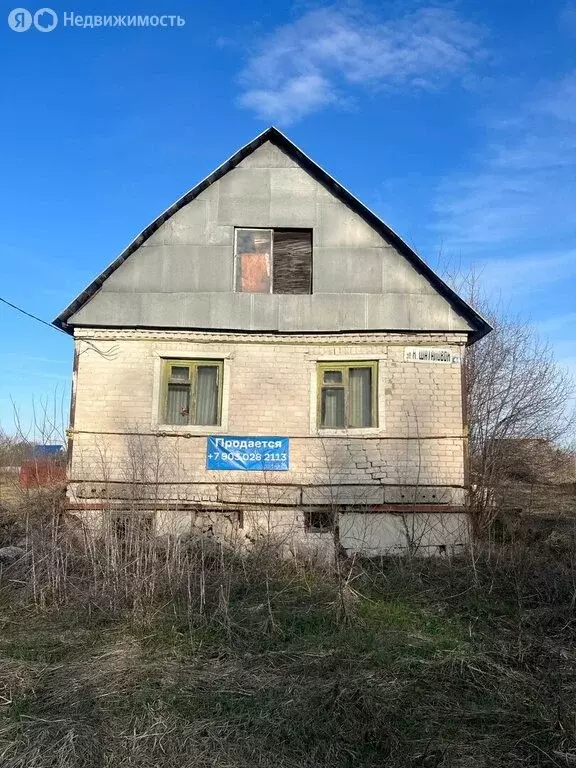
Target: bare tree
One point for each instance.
(515, 389)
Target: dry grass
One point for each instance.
(176, 656)
(10, 492)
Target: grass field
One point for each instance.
(10, 492)
(401, 664)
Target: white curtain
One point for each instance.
(360, 397)
(177, 407)
(333, 407)
(207, 395)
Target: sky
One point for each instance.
(454, 121)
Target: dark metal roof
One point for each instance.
(276, 137)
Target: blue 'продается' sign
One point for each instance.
(248, 453)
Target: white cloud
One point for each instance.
(521, 191)
(532, 272)
(513, 212)
(568, 18)
(304, 66)
(292, 101)
(561, 101)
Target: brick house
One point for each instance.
(269, 358)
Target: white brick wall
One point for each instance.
(269, 389)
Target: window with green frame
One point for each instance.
(192, 392)
(347, 395)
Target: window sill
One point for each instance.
(352, 432)
(189, 429)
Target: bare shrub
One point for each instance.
(515, 389)
(124, 569)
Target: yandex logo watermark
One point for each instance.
(21, 20)
(46, 20)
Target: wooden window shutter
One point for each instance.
(292, 262)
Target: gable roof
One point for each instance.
(277, 138)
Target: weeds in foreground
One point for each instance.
(185, 655)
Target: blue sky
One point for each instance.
(456, 122)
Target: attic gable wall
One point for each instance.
(182, 276)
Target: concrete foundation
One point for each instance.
(288, 530)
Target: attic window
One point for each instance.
(273, 260)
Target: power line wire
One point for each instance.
(28, 314)
(110, 354)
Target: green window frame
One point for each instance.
(192, 392)
(347, 395)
